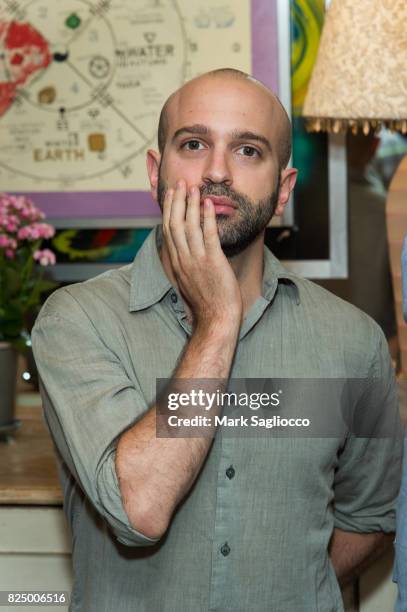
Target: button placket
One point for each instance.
(224, 527)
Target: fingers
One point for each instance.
(167, 204)
(210, 228)
(193, 222)
(182, 225)
(177, 220)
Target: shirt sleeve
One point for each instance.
(368, 476)
(88, 400)
(400, 560)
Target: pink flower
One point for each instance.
(7, 243)
(35, 231)
(45, 257)
(25, 213)
(4, 241)
(19, 215)
(13, 219)
(45, 230)
(24, 232)
(10, 254)
(18, 202)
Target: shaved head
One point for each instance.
(278, 114)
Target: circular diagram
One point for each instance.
(82, 83)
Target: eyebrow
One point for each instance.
(202, 130)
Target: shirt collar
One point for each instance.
(149, 282)
(273, 273)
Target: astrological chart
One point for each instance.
(82, 83)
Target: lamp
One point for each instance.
(359, 82)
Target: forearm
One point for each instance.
(156, 473)
(352, 552)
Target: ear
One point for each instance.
(153, 166)
(288, 180)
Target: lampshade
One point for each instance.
(360, 76)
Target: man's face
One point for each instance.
(221, 138)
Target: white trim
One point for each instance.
(338, 207)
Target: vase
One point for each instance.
(8, 375)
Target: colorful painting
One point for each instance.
(310, 151)
(307, 19)
(109, 246)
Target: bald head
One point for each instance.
(276, 111)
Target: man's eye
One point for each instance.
(192, 145)
(249, 151)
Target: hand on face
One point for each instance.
(202, 271)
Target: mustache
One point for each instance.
(220, 189)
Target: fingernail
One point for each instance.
(192, 190)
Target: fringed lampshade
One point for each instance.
(359, 80)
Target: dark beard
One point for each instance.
(249, 219)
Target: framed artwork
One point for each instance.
(80, 98)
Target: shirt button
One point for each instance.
(230, 472)
(174, 298)
(225, 549)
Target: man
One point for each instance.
(182, 524)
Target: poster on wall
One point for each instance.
(82, 83)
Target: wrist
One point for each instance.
(221, 326)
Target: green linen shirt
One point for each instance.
(252, 534)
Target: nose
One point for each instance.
(217, 168)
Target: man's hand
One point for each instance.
(203, 273)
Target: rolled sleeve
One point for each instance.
(111, 502)
(89, 400)
(367, 479)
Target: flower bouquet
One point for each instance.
(22, 282)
